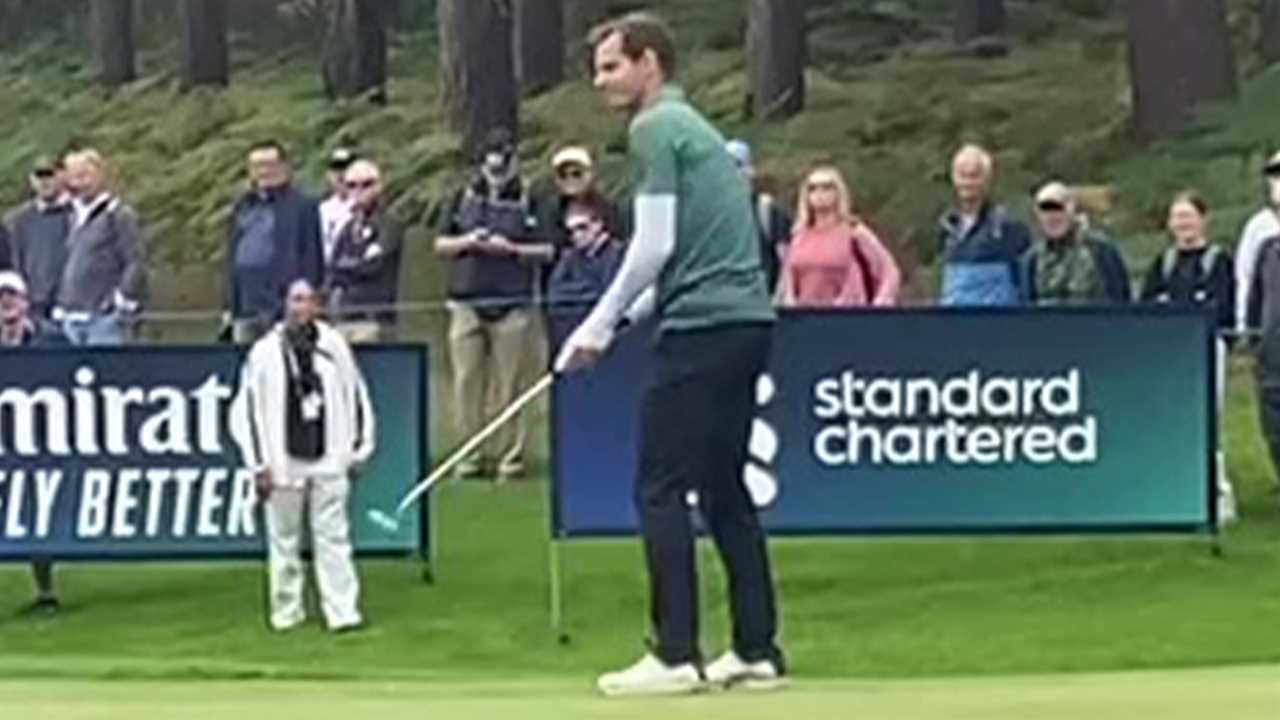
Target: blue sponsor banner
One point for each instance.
(936, 421)
(122, 453)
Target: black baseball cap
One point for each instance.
(44, 166)
(342, 158)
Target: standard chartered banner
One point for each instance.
(124, 453)
(938, 421)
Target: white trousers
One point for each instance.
(326, 499)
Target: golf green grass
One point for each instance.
(1238, 694)
(926, 627)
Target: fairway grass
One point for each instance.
(1229, 693)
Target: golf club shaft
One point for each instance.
(470, 446)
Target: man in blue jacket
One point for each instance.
(274, 239)
(981, 244)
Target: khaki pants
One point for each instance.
(488, 360)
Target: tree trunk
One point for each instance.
(1180, 55)
(355, 63)
(1269, 41)
(204, 46)
(111, 29)
(978, 19)
(479, 83)
(580, 17)
(539, 48)
(777, 49)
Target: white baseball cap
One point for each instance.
(13, 282)
(572, 155)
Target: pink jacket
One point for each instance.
(842, 266)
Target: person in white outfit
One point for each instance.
(304, 424)
(1264, 225)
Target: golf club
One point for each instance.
(390, 522)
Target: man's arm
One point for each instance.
(310, 244)
(449, 242)
(128, 236)
(1251, 240)
(646, 255)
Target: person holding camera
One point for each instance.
(491, 236)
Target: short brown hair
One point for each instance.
(640, 31)
(1192, 198)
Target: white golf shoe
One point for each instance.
(651, 676)
(731, 671)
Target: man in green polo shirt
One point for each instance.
(694, 261)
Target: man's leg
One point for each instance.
(467, 352)
(42, 574)
(726, 504)
(335, 569)
(674, 431)
(510, 353)
(1269, 411)
(284, 530)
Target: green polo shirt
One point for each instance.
(714, 276)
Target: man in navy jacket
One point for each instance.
(274, 239)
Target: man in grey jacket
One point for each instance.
(105, 279)
(38, 235)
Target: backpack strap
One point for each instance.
(864, 267)
(1168, 261)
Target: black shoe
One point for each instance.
(42, 606)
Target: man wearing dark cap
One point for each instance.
(38, 235)
(274, 239)
(336, 209)
(495, 246)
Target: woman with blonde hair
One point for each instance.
(834, 258)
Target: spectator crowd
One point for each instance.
(520, 261)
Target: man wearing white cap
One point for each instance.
(576, 189)
(1264, 225)
(18, 329)
(1071, 264)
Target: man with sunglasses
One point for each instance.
(1071, 264)
(274, 239)
(1264, 225)
(585, 267)
(38, 235)
(364, 268)
(576, 190)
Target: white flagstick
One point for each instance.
(391, 524)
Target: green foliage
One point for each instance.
(889, 102)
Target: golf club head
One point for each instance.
(384, 521)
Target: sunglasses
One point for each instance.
(1272, 171)
(1051, 206)
(571, 174)
(44, 173)
(362, 184)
